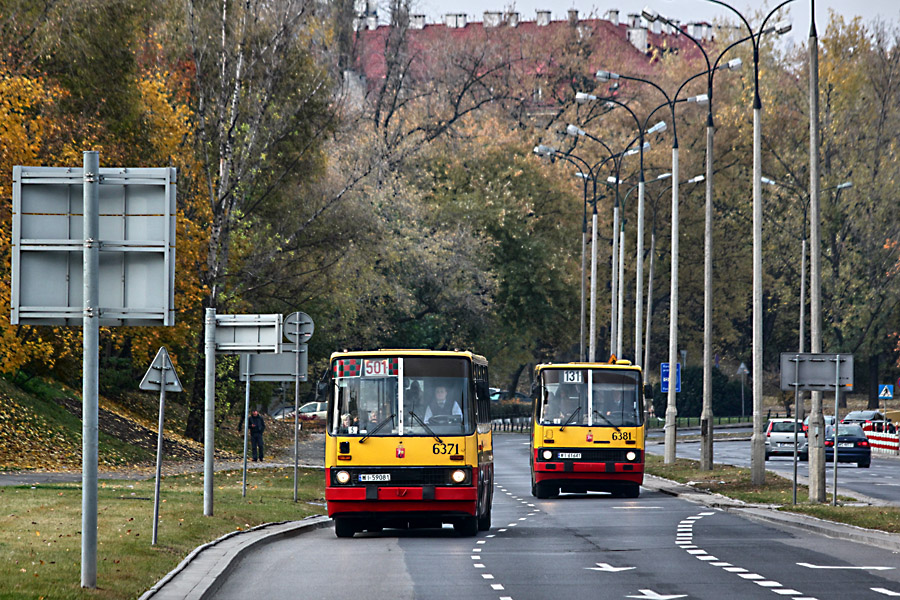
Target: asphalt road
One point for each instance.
(576, 546)
(880, 481)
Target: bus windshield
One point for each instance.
(591, 397)
(393, 396)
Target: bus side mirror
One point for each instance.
(648, 391)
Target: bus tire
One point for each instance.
(544, 491)
(484, 521)
(632, 491)
(467, 527)
(343, 528)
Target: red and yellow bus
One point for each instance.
(587, 429)
(408, 441)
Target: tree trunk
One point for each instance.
(514, 381)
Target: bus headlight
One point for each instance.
(548, 454)
(632, 455)
(342, 477)
(458, 476)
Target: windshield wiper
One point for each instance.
(427, 428)
(377, 428)
(602, 416)
(569, 420)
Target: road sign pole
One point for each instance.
(159, 452)
(796, 422)
(90, 375)
(209, 411)
(297, 406)
(246, 425)
(837, 396)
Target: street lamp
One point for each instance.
(671, 410)
(617, 296)
(583, 98)
(757, 442)
(650, 267)
(706, 434)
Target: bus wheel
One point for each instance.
(544, 491)
(467, 527)
(343, 528)
(484, 521)
(632, 491)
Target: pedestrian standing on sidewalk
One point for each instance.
(256, 425)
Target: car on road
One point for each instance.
(852, 445)
(284, 413)
(862, 417)
(829, 420)
(780, 439)
(313, 411)
(498, 395)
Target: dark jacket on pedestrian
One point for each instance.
(256, 425)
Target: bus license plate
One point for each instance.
(569, 455)
(375, 477)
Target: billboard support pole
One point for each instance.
(246, 425)
(90, 375)
(209, 412)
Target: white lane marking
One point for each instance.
(608, 568)
(476, 549)
(720, 564)
(496, 586)
(512, 524)
(886, 592)
(503, 530)
(487, 575)
(651, 595)
(698, 551)
(476, 557)
(736, 569)
(786, 592)
(478, 566)
(490, 536)
(707, 514)
(768, 584)
(482, 541)
(810, 566)
(707, 557)
(750, 576)
(636, 507)
(522, 518)
(506, 598)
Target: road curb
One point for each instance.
(200, 574)
(793, 522)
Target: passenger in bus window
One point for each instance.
(442, 407)
(570, 400)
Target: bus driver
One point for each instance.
(442, 406)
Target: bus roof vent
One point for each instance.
(623, 362)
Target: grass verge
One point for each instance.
(40, 541)
(735, 482)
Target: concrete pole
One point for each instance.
(593, 333)
(581, 355)
(91, 369)
(620, 293)
(209, 412)
(757, 442)
(671, 409)
(650, 268)
(817, 420)
(639, 275)
(706, 414)
(297, 407)
(614, 276)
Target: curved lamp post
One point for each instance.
(671, 410)
(706, 416)
(757, 442)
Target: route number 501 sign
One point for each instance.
(376, 368)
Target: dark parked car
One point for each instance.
(852, 445)
(862, 417)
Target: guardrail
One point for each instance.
(881, 442)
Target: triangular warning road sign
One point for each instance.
(161, 369)
(886, 392)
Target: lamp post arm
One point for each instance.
(637, 123)
(669, 102)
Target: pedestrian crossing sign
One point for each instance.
(886, 392)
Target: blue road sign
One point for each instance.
(886, 392)
(664, 377)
